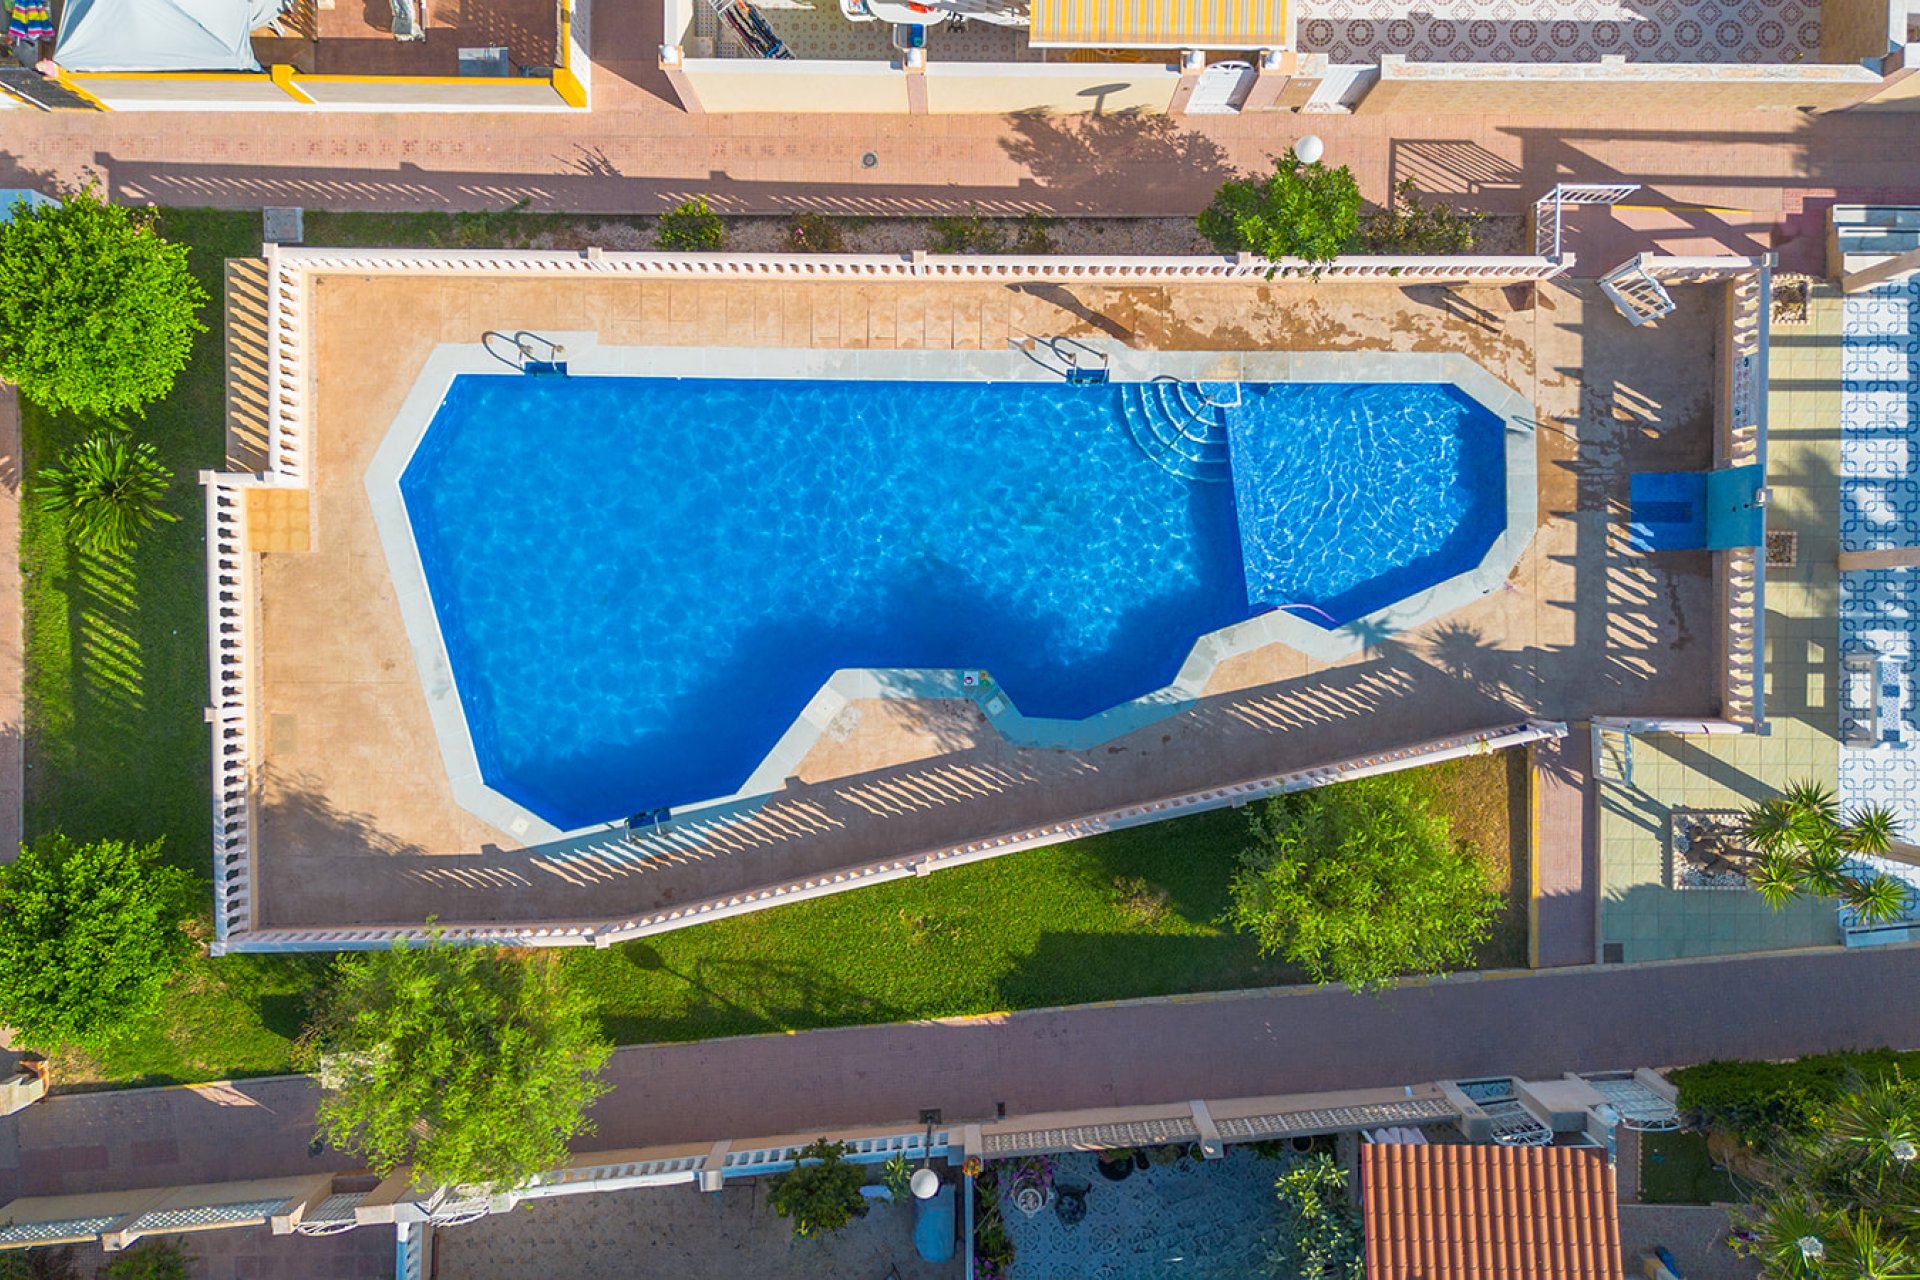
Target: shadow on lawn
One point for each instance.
(741, 997)
(1080, 968)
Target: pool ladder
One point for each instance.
(1182, 426)
(526, 351)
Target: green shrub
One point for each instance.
(815, 233)
(89, 935)
(40, 1264)
(1320, 1237)
(150, 1260)
(110, 488)
(97, 313)
(1362, 882)
(692, 227)
(1303, 211)
(1412, 224)
(968, 233)
(821, 1193)
(1035, 234)
(471, 1064)
(1762, 1103)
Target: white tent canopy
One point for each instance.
(160, 35)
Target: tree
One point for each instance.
(1361, 882)
(150, 1260)
(1805, 846)
(821, 1193)
(110, 488)
(1412, 224)
(89, 936)
(1320, 1236)
(1844, 1199)
(471, 1064)
(692, 226)
(39, 1264)
(97, 312)
(1303, 211)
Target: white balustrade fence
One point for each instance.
(229, 598)
(916, 266)
(610, 932)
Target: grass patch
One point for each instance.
(1676, 1169)
(116, 677)
(116, 746)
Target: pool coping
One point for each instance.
(1041, 361)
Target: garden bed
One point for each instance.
(774, 233)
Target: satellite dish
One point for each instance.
(925, 1184)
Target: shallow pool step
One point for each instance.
(1181, 429)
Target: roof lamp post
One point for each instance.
(1904, 1151)
(1309, 149)
(1811, 1249)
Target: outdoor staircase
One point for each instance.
(1870, 243)
(1183, 426)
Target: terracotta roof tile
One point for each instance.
(1488, 1212)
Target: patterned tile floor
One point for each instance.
(1203, 1219)
(1744, 31)
(1880, 508)
(1639, 912)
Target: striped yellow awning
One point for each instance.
(1159, 24)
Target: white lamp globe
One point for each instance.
(925, 1184)
(1309, 149)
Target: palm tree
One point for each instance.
(1806, 847)
(1876, 899)
(110, 489)
(1791, 1238)
(1777, 879)
(1870, 829)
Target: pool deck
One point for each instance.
(357, 821)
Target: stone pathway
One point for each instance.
(637, 150)
(1238, 1044)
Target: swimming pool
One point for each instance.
(640, 582)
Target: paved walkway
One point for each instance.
(637, 149)
(1565, 857)
(1249, 1044)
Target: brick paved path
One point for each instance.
(1279, 1041)
(638, 149)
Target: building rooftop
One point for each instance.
(1463, 1212)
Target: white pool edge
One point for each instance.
(588, 357)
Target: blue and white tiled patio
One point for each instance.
(1880, 511)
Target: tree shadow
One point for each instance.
(1068, 153)
(745, 997)
(1082, 968)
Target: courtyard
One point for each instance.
(357, 823)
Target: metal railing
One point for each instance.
(1547, 211)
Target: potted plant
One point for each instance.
(1115, 1165)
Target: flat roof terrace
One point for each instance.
(354, 818)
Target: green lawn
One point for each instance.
(1676, 1169)
(116, 680)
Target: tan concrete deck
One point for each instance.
(357, 821)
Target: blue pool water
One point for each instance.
(641, 582)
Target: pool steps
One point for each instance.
(1182, 426)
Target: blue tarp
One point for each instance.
(934, 1229)
(1692, 510)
